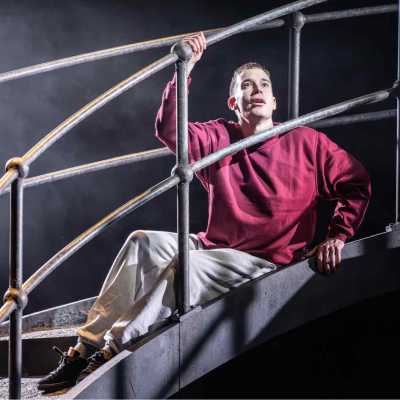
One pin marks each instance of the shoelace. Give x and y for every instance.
(62, 362)
(96, 360)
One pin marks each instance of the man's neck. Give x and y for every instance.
(250, 128)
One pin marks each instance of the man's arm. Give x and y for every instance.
(199, 138)
(342, 178)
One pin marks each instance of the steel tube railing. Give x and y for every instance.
(164, 151)
(72, 247)
(355, 118)
(95, 166)
(397, 182)
(15, 282)
(114, 52)
(170, 182)
(84, 112)
(168, 41)
(295, 27)
(16, 296)
(146, 72)
(286, 126)
(15, 293)
(182, 168)
(352, 13)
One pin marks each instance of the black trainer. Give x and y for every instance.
(66, 373)
(95, 361)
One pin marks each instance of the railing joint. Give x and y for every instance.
(18, 296)
(296, 20)
(18, 164)
(182, 50)
(184, 173)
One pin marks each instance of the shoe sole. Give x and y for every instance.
(54, 387)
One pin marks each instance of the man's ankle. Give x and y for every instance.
(85, 350)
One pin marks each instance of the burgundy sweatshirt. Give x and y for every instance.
(263, 199)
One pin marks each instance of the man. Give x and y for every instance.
(262, 213)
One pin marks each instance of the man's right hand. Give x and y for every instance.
(197, 42)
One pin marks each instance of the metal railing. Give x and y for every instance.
(14, 180)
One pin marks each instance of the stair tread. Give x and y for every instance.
(28, 390)
(46, 333)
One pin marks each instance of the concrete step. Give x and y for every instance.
(28, 390)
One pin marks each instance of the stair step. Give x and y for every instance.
(28, 390)
(37, 354)
(47, 333)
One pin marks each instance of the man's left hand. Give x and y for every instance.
(328, 255)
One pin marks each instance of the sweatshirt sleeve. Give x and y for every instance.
(199, 135)
(341, 178)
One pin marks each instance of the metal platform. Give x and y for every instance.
(175, 355)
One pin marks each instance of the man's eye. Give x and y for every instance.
(245, 85)
(265, 84)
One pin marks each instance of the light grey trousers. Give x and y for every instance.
(139, 288)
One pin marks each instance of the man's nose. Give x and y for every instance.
(256, 88)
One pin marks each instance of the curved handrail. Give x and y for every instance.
(146, 72)
(164, 151)
(169, 40)
(169, 183)
(114, 52)
(94, 167)
(58, 132)
(291, 124)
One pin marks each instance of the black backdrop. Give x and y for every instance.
(340, 60)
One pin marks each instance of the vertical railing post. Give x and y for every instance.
(184, 171)
(15, 291)
(296, 23)
(397, 211)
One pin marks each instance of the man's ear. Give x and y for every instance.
(232, 103)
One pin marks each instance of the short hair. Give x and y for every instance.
(239, 70)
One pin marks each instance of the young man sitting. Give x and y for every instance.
(261, 214)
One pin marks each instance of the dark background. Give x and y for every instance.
(340, 60)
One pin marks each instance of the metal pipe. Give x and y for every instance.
(57, 133)
(182, 163)
(169, 40)
(295, 26)
(164, 151)
(14, 292)
(114, 52)
(260, 19)
(170, 182)
(397, 184)
(355, 118)
(146, 72)
(288, 125)
(95, 166)
(355, 12)
(71, 248)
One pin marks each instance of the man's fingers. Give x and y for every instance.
(193, 44)
(203, 39)
(325, 260)
(338, 256)
(197, 42)
(320, 261)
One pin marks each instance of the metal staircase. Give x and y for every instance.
(180, 350)
(176, 354)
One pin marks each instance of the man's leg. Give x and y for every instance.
(134, 271)
(215, 272)
(212, 273)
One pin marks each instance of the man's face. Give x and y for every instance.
(253, 99)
